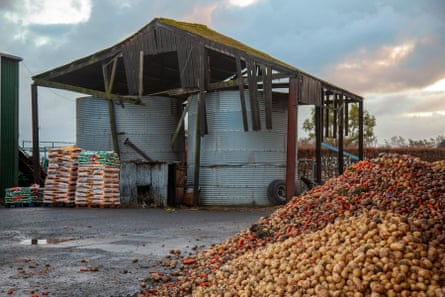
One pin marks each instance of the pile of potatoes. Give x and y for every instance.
(376, 254)
(376, 230)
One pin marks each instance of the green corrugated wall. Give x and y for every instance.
(9, 114)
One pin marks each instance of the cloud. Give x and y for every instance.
(48, 12)
(388, 51)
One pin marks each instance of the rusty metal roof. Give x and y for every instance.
(167, 57)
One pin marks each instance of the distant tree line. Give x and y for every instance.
(399, 141)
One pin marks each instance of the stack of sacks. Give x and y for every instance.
(60, 184)
(98, 183)
(36, 194)
(17, 196)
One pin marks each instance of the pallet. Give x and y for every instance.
(21, 205)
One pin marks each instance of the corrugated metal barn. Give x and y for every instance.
(9, 121)
(242, 106)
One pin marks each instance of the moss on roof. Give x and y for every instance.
(207, 33)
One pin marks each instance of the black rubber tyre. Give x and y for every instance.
(276, 192)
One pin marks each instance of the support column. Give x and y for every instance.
(292, 137)
(341, 160)
(360, 130)
(200, 124)
(35, 135)
(318, 139)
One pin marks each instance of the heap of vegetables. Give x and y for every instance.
(376, 230)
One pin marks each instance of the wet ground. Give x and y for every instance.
(102, 252)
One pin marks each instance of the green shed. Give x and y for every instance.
(9, 119)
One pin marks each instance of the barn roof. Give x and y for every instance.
(177, 58)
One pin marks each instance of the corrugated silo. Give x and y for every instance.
(142, 131)
(236, 166)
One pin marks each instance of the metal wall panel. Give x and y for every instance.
(93, 131)
(150, 127)
(9, 113)
(237, 166)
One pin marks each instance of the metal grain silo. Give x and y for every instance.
(144, 134)
(148, 127)
(9, 115)
(236, 166)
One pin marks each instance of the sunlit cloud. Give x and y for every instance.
(371, 70)
(52, 12)
(438, 86)
(426, 114)
(383, 57)
(393, 55)
(201, 15)
(242, 3)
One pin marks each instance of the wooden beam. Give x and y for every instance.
(326, 121)
(180, 123)
(228, 84)
(176, 92)
(199, 132)
(341, 158)
(335, 117)
(141, 74)
(35, 135)
(252, 78)
(94, 93)
(318, 141)
(292, 137)
(267, 87)
(241, 93)
(360, 130)
(346, 118)
(109, 82)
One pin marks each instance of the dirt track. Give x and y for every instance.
(44, 250)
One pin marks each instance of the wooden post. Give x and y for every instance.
(252, 79)
(141, 74)
(197, 156)
(292, 137)
(267, 88)
(199, 126)
(35, 135)
(318, 139)
(109, 82)
(326, 121)
(347, 117)
(341, 160)
(360, 130)
(335, 117)
(241, 92)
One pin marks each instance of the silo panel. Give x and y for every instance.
(236, 165)
(93, 131)
(149, 127)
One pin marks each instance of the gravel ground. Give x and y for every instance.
(102, 252)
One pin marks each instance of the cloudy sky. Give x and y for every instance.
(392, 52)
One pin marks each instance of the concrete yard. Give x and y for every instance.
(43, 250)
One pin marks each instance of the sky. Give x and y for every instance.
(391, 52)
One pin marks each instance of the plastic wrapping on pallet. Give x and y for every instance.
(60, 184)
(24, 195)
(108, 158)
(98, 179)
